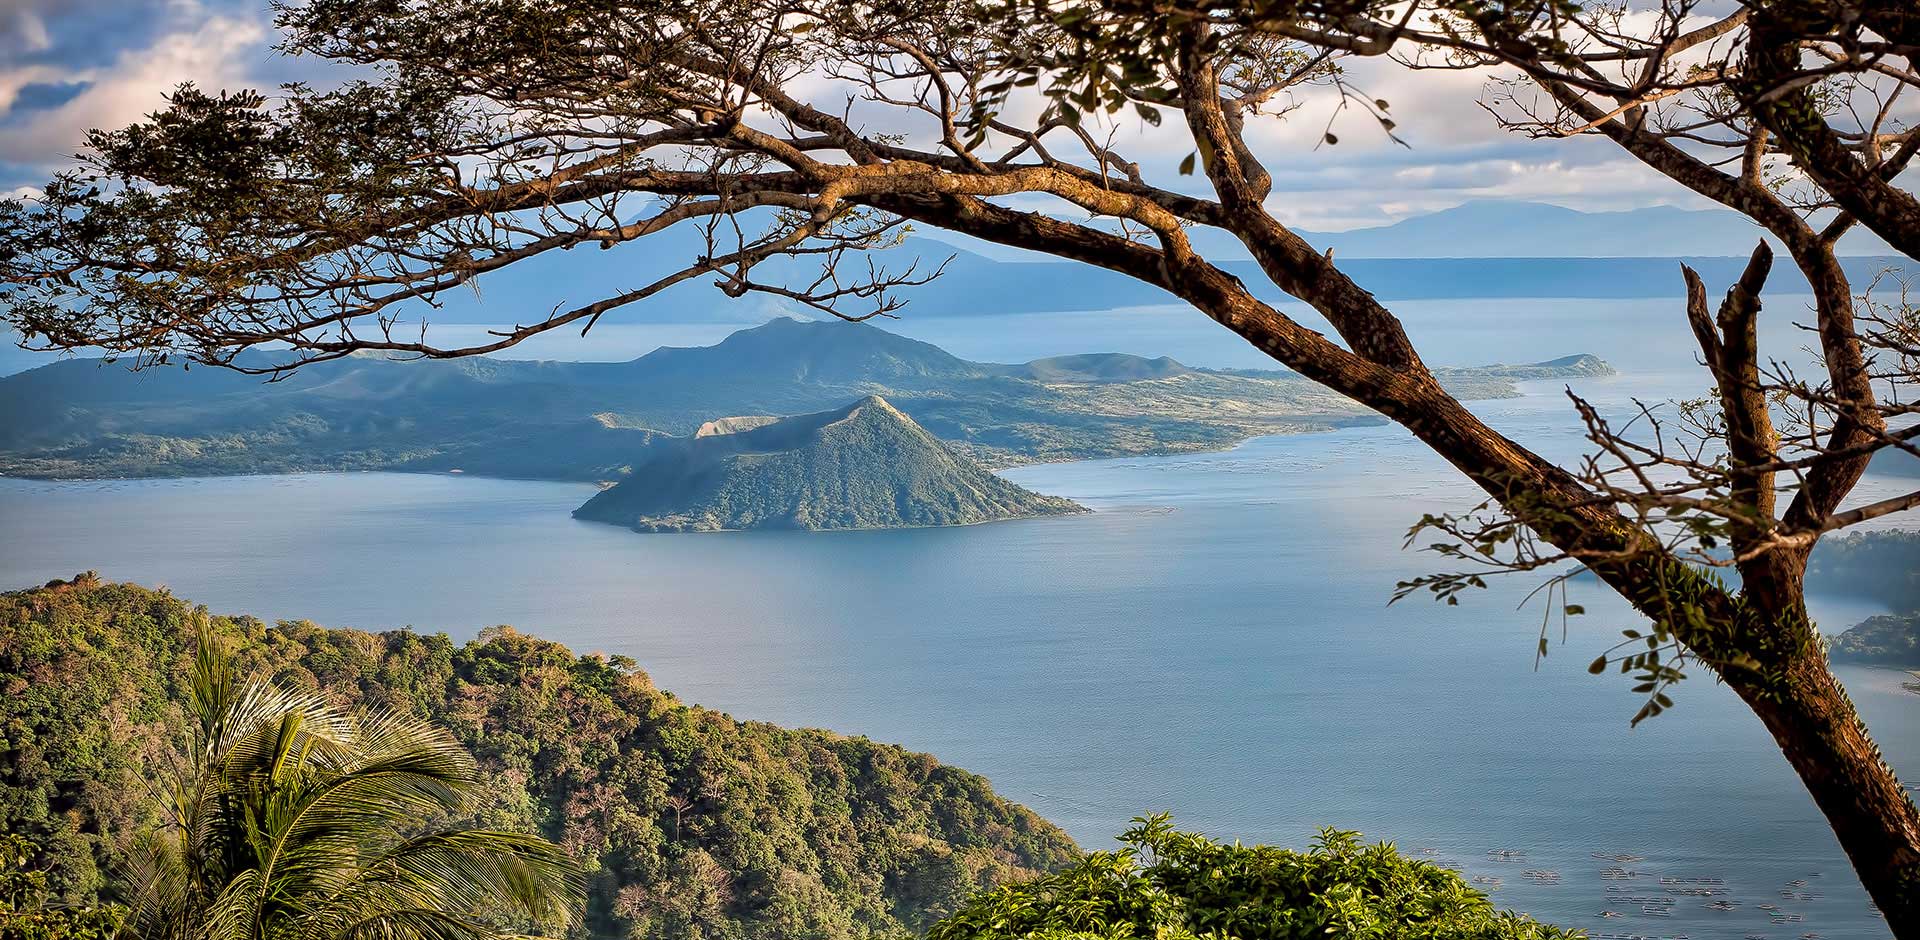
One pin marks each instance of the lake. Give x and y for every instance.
(1214, 641)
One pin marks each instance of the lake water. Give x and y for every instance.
(1214, 641)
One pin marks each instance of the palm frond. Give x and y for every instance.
(234, 913)
(475, 869)
(291, 819)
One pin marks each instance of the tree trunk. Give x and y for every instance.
(1800, 702)
(1810, 717)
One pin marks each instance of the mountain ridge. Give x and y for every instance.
(1503, 229)
(590, 421)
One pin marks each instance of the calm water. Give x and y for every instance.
(1215, 641)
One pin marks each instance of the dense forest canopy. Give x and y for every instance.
(695, 825)
(691, 824)
(1885, 640)
(1878, 566)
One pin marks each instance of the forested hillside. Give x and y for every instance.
(1886, 640)
(1878, 566)
(694, 824)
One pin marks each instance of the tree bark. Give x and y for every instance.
(1792, 691)
(1814, 723)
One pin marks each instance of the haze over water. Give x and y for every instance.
(1215, 641)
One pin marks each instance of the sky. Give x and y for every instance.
(67, 66)
(70, 65)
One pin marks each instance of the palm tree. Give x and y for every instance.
(290, 819)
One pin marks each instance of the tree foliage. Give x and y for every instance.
(692, 824)
(1170, 885)
(25, 913)
(290, 818)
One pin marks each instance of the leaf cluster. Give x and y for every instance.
(1172, 885)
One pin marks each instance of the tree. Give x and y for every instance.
(487, 132)
(1788, 112)
(1182, 886)
(25, 913)
(291, 819)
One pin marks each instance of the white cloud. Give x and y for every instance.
(218, 52)
(1458, 152)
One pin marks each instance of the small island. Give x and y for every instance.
(864, 466)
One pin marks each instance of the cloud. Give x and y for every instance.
(217, 52)
(115, 58)
(84, 33)
(1454, 151)
(22, 29)
(13, 80)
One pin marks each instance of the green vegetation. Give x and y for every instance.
(291, 818)
(25, 913)
(1880, 566)
(861, 467)
(1886, 640)
(691, 824)
(594, 420)
(1170, 885)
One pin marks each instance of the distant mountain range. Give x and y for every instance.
(1516, 229)
(1489, 249)
(1510, 228)
(596, 421)
(1481, 249)
(865, 466)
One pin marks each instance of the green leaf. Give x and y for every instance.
(1186, 166)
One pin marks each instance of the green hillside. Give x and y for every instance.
(1879, 566)
(865, 466)
(595, 420)
(694, 824)
(1885, 640)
